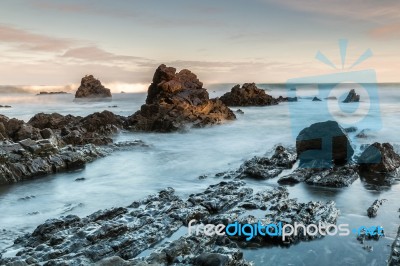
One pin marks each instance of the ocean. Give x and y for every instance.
(177, 160)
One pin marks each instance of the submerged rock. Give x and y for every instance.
(92, 88)
(247, 95)
(352, 97)
(176, 100)
(323, 143)
(119, 235)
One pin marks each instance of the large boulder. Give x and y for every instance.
(92, 88)
(324, 143)
(175, 100)
(352, 97)
(379, 158)
(247, 95)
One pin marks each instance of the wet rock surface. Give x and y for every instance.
(394, 258)
(352, 97)
(247, 95)
(119, 235)
(266, 168)
(286, 99)
(337, 176)
(177, 100)
(323, 144)
(372, 211)
(92, 88)
(30, 159)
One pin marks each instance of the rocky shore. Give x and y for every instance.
(120, 234)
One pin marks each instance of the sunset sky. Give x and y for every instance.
(57, 42)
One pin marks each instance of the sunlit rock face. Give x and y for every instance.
(177, 100)
(92, 88)
(247, 95)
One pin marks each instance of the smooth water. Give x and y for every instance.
(178, 159)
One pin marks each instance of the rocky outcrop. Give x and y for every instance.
(95, 128)
(176, 100)
(379, 158)
(352, 97)
(316, 99)
(247, 95)
(321, 144)
(120, 234)
(92, 88)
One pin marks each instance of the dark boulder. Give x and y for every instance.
(323, 143)
(316, 99)
(352, 97)
(176, 100)
(92, 88)
(247, 95)
(379, 158)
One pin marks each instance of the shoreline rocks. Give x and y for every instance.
(247, 95)
(122, 233)
(178, 100)
(92, 88)
(372, 211)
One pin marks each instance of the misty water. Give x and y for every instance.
(178, 159)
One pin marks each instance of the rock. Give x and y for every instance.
(247, 95)
(119, 235)
(394, 258)
(239, 111)
(316, 99)
(331, 98)
(266, 168)
(175, 101)
(352, 97)
(92, 88)
(379, 158)
(373, 209)
(338, 176)
(51, 93)
(350, 129)
(323, 143)
(363, 134)
(5, 106)
(287, 99)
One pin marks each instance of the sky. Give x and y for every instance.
(44, 42)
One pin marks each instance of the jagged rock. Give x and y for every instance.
(352, 97)
(176, 100)
(247, 95)
(323, 143)
(338, 176)
(372, 211)
(92, 88)
(379, 158)
(350, 129)
(120, 234)
(266, 168)
(316, 99)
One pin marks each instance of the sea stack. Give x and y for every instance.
(91, 88)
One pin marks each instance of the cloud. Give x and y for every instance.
(98, 54)
(32, 41)
(388, 31)
(356, 9)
